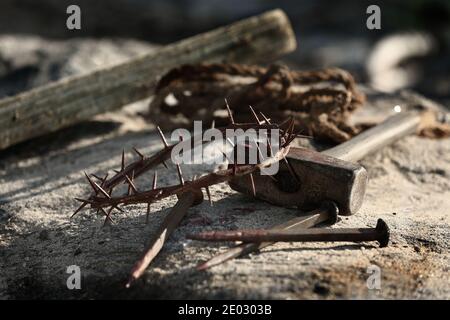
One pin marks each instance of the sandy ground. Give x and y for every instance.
(409, 188)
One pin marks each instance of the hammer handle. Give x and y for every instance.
(377, 137)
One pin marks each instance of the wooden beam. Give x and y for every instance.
(63, 103)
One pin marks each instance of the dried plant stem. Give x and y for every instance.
(202, 182)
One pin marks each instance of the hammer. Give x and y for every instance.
(339, 186)
(308, 178)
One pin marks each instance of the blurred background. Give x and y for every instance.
(410, 51)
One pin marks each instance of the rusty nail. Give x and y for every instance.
(380, 233)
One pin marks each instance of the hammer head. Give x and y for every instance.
(318, 178)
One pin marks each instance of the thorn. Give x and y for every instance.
(106, 194)
(104, 181)
(165, 164)
(231, 142)
(286, 135)
(180, 174)
(213, 124)
(303, 136)
(155, 178)
(123, 160)
(79, 208)
(230, 114)
(139, 153)
(117, 171)
(267, 120)
(284, 122)
(118, 208)
(291, 136)
(292, 128)
(259, 151)
(292, 125)
(148, 213)
(291, 170)
(91, 182)
(163, 138)
(270, 147)
(131, 184)
(253, 184)
(108, 215)
(255, 115)
(208, 193)
(226, 157)
(84, 200)
(286, 132)
(97, 177)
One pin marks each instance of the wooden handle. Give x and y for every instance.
(377, 137)
(71, 100)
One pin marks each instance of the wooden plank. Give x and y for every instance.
(60, 104)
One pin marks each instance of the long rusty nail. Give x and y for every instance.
(172, 220)
(328, 212)
(380, 234)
